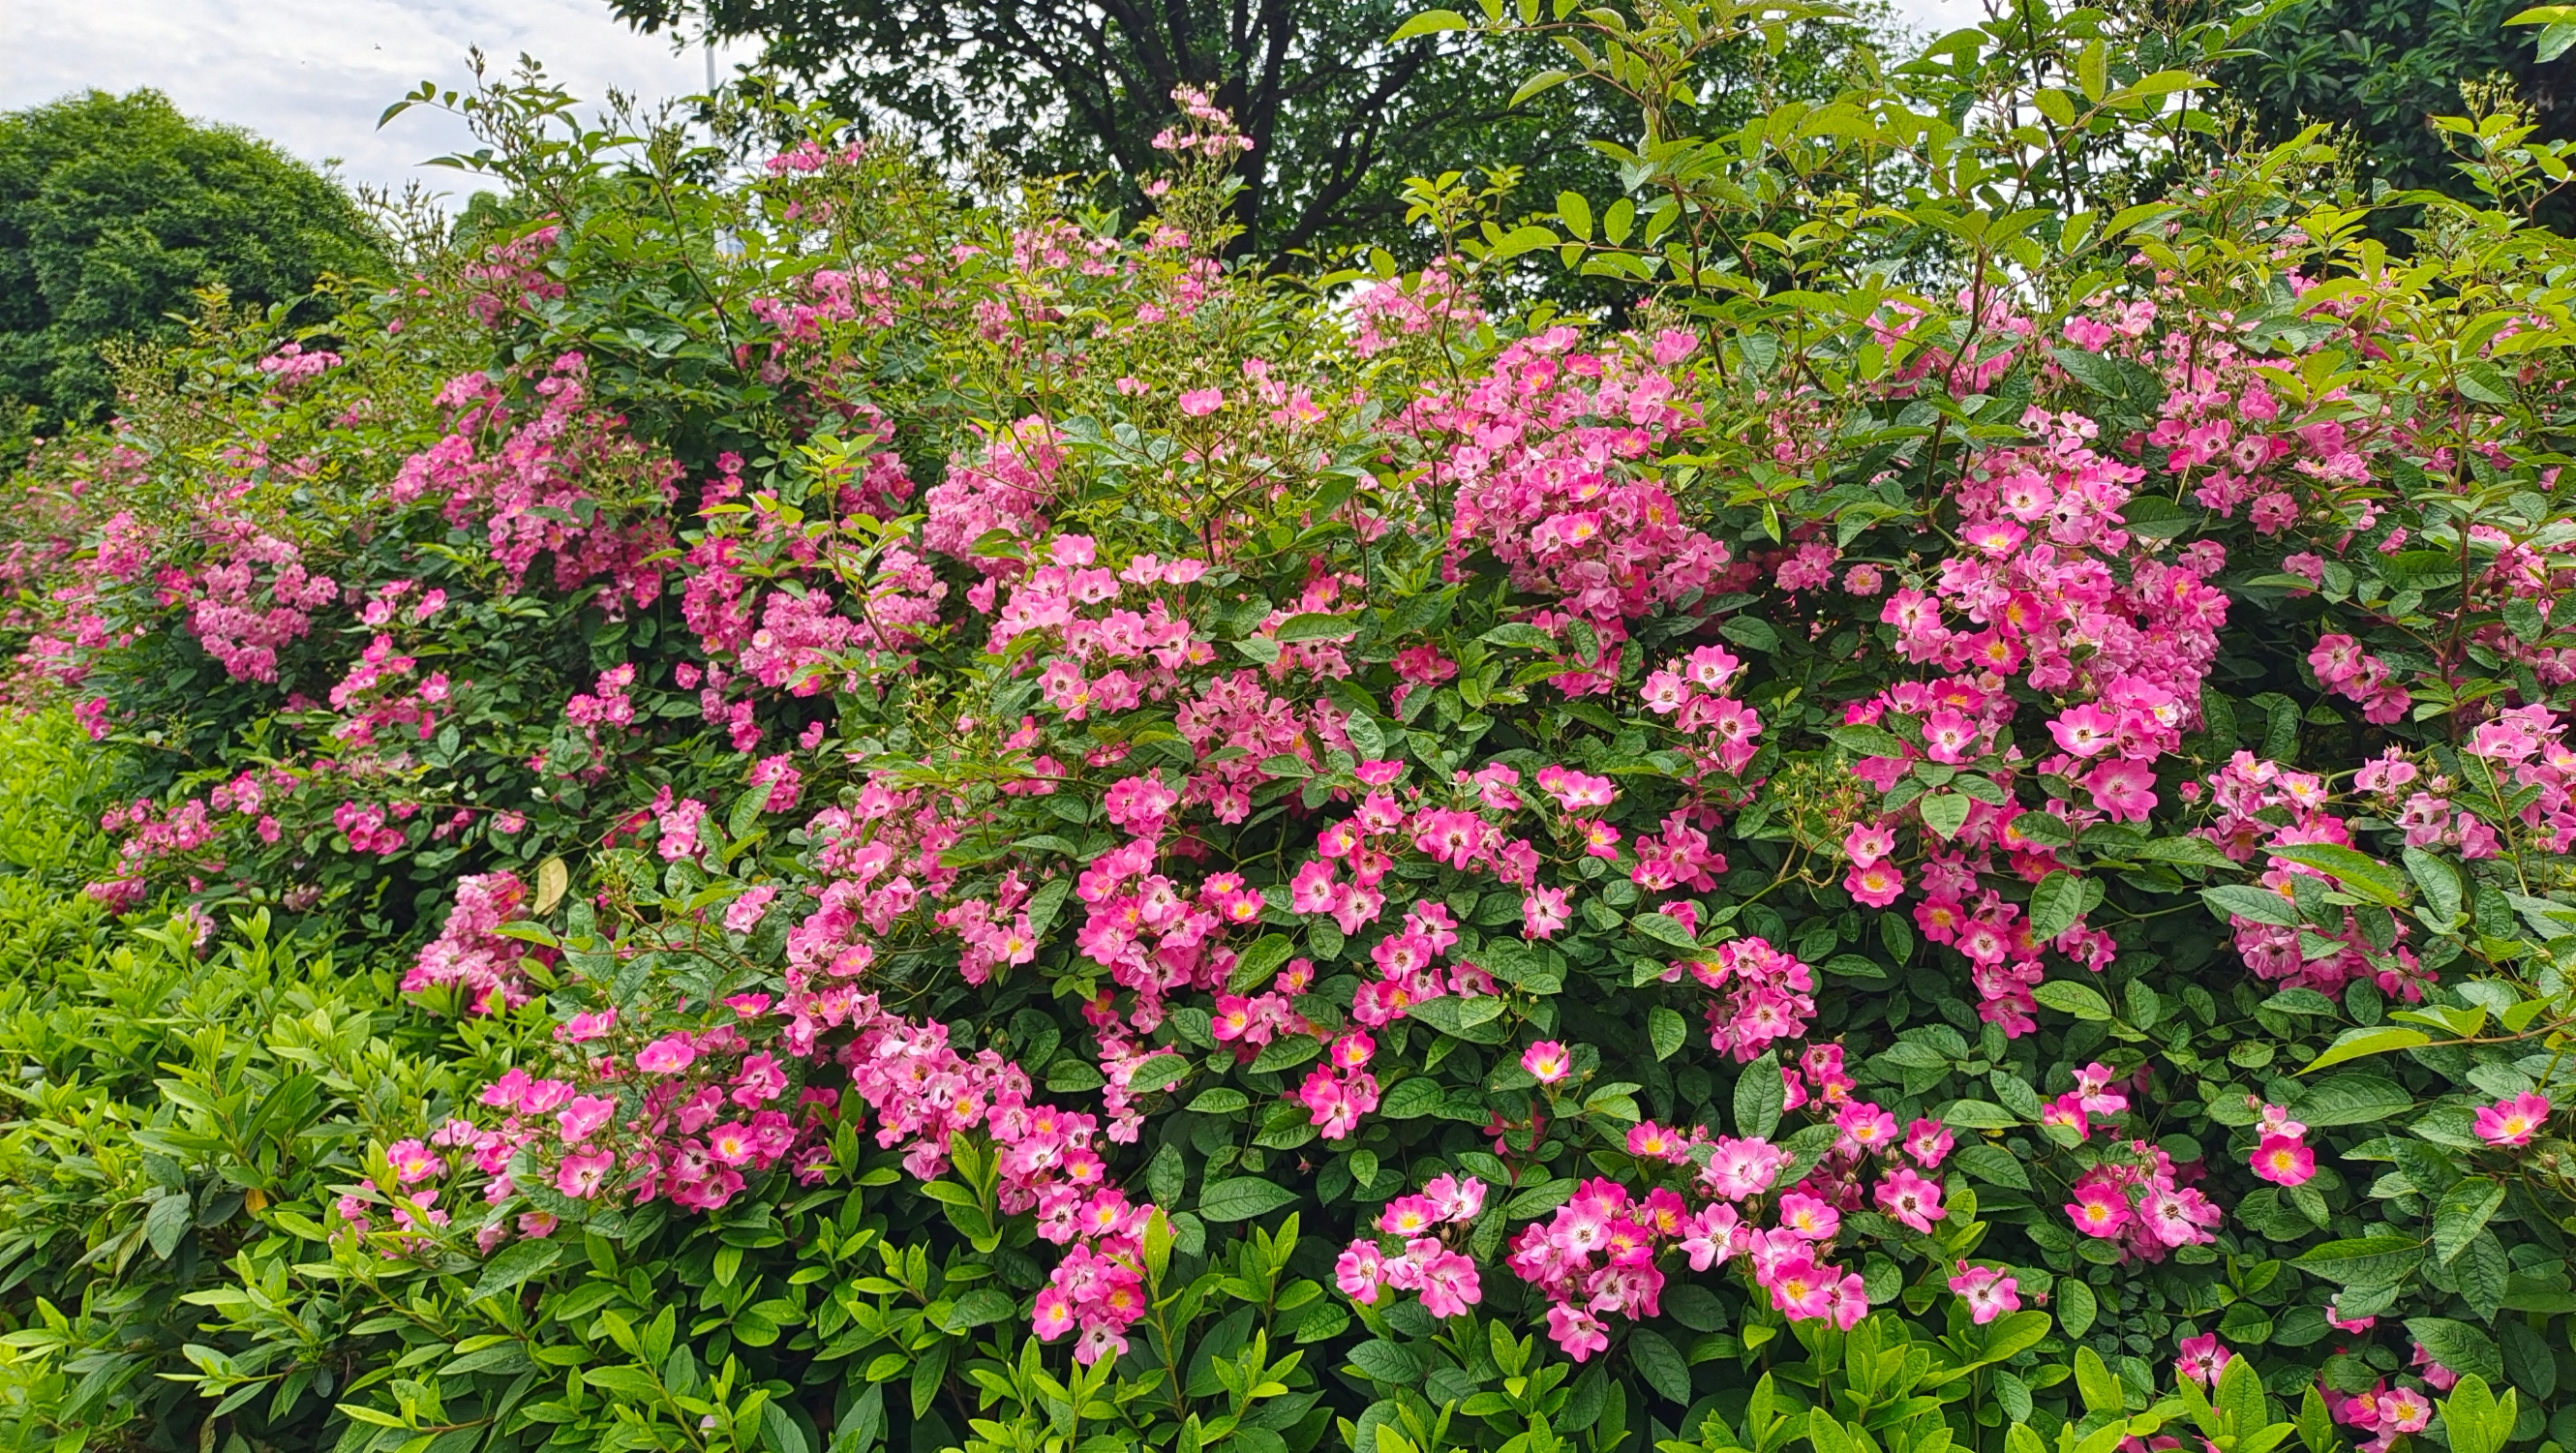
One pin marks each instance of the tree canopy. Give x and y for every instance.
(1338, 115)
(113, 209)
(2383, 69)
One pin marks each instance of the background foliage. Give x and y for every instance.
(115, 210)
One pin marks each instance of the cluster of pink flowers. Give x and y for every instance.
(1003, 489)
(1764, 994)
(224, 599)
(374, 696)
(2387, 1413)
(1724, 732)
(1425, 1262)
(291, 366)
(1434, 303)
(2256, 805)
(1550, 474)
(2348, 671)
(561, 482)
(471, 954)
(2533, 743)
(924, 1093)
(1339, 1090)
(879, 858)
(513, 275)
(150, 837)
(1205, 128)
(2134, 1194)
(369, 826)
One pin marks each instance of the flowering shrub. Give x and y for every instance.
(1977, 862)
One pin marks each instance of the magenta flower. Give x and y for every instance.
(2514, 1121)
(1876, 885)
(2284, 1161)
(583, 1116)
(2099, 1209)
(581, 1176)
(1928, 1142)
(2203, 1359)
(668, 1055)
(1578, 1332)
(1911, 1198)
(1547, 1061)
(1543, 912)
(1450, 1285)
(1360, 1271)
(1989, 1292)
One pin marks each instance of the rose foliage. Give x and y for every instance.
(1955, 830)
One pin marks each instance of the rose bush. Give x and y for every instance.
(1954, 830)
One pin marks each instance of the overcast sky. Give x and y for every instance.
(313, 75)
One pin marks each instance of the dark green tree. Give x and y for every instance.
(113, 209)
(1338, 114)
(2382, 69)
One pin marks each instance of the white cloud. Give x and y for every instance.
(313, 75)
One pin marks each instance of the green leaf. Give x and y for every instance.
(2260, 905)
(1243, 1197)
(2439, 882)
(1430, 22)
(1315, 626)
(1158, 1072)
(2355, 1043)
(516, 1263)
(1751, 632)
(1979, 1115)
(1666, 1030)
(2528, 1360)
(1760, 1096)
(1666, 929)
(1538, 1200)
(2367, 1261)
(1994, 1165)
(2008, 1335)
(2484, 382)
(2471, 1416)
(2364, 875)
(2458, 1346)
(1538, 84)
(2316, 1425)
(1868, 741)
(1259, 961)
(2068, 997)
(1519, 633)
(2100, 1390)
(2191, 851)
(167, 1222)
(1944, 812)
(2461, 1213)
(2354, 1099)
(1826, 1435)
(1221, 1100)
(1413, 1098)
(2076, 1309)
(1388, 1362)
(1661, 1365)
(2240, 1397)
(2055, 905)
(980, 1307)
(1575, 213)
